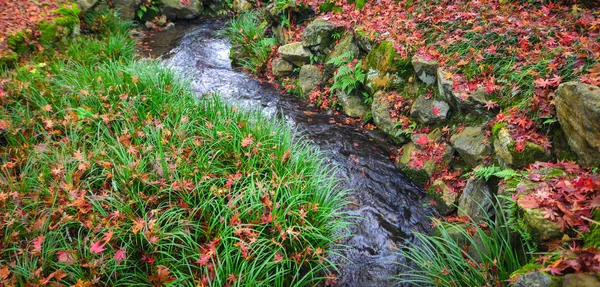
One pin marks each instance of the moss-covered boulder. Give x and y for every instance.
(241, 5)
(295, 53)
(578, 111)
(456, 232)
(444, 197)
(581, 280)
(536, 279)
(506, 154)
(309, 79)
(318, 36)
(385, 68)
(352, 104)
(543, 229)
(472, 145)
(176, 9)
(419, 175)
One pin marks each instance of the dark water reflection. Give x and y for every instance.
(387, 205)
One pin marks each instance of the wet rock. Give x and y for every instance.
(534, 279)
(352, 104)
(429, 111)
(295, 53)
(241, 5)
(86, 5)
(383, 120)
(578, 111)
(175, 9)
(508, 157)
(543, 229)
(309, 79)
(476, 201)
(347, 44)
(472, 145)
(425, 69)
(580, 280)
(419, 175)
(318, 35)
(445, 198)
(281, 68)
(127, 8)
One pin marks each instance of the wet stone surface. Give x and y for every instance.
(385, 207)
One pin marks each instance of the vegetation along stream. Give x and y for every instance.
(385, 206)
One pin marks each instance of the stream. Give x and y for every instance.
(385, 207)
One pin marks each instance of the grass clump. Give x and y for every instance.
(113, 174)
(465, 253)
(251, 47)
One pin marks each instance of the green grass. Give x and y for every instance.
(99, 148)
(442, 259)
(251, 47)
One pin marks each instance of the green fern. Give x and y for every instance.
(346, 79)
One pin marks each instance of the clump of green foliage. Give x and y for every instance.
(442, 260)
(348, 77)
(117, 175)
(250, 45)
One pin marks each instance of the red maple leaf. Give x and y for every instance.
(97, 248)
(120, 255)
(247, 141)
(422, 140)
(435, 110)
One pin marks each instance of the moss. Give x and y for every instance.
(526, 269)
(8, 60)
(48, 33)
(592, 239)
(384, 59)
(327, 7)
(418, 176)
(496, 129)
(530, 154)
(19, 42)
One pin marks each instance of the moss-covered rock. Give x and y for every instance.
(384, 67)
(543, 229)
(175, 9)
(309, 79)
(383, 120)
(472, 145)
(353, 105)
(19, 42)
(295, 53)
(508, 157)
(420, 176)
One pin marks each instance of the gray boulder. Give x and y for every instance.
(309, 79)
(318, 35)
(473, 104)
(364, 43)
(281, 68)
(352, 104)
(534, 279)
(381, 117)
(429, 112)
(127, 8)
(578, 111)
(471, 144)
(445, 198)
(295, 53)
(476, 201)
(174, 9)
(425, 69)
(86, 5)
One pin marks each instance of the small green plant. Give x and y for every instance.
(465, 253)
(251, 46)
(336, 35)
(406, 132)
(348, 76)
(148, 7)
(486, 172)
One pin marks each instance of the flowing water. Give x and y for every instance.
(386, 206)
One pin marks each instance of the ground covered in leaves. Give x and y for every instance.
(113, 174)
